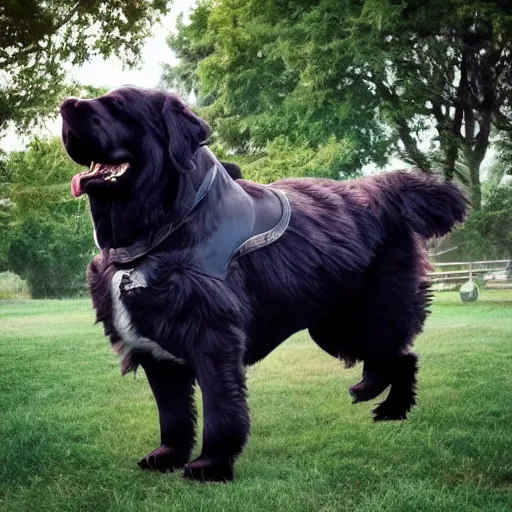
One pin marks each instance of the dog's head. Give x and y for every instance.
(129, 136)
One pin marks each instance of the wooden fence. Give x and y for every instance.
(494, 273)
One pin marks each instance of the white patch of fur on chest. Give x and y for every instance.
(132, 340)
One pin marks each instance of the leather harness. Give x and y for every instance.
(244, 224)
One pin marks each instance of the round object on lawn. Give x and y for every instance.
(469, 291)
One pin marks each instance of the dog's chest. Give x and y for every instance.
(124, 283)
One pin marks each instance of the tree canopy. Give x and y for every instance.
(246, 62)
(377, 74)
(40, 39)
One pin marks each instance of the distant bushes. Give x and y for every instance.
(52, 259)
(13, 287)
(46, 234)
(487, 234)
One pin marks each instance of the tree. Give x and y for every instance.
(503, 166)
(447, 66)
(39, 38)
(238, 57)
(49, 233)
(191, 48)
(488, 232)
(309, 70)
(51, 257)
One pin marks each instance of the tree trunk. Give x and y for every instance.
(411, 148)
(475, 189)
(450, 150)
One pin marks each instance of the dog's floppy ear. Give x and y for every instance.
(185, 131)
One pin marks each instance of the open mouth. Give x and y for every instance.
(107, 173)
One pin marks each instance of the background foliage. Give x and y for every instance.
(322, 88)
(48, 238)
(45, 236)
(376, 75)
(305, 88)
(41, 39)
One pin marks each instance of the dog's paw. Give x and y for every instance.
(368, 389)
(363, 391)
(208, 470)
(163, 459)
(389, 412)
(359, 393)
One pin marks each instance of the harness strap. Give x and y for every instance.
(263, 239)
(242, 217)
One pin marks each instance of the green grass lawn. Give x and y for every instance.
(72, 429)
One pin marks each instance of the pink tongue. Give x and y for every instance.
(76, 190)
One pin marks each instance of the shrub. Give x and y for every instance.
(13, 287)
(51, 258)
(487, 234)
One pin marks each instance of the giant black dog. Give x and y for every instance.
(183, 292)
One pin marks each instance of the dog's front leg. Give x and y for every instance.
(221, 377)
(173, 388)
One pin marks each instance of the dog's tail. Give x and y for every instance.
(430, 205)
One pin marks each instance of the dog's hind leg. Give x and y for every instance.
(392, 369)
(376, 378)
(344, 345)
(380, 324)
(394, 312)
(172, 385)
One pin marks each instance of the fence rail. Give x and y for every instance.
(473, 263)
(494, 273)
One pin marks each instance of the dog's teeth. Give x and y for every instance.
(91, 166)
(121, 169)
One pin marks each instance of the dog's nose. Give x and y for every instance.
(69, 104)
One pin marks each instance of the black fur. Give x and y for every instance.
(351, 268)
